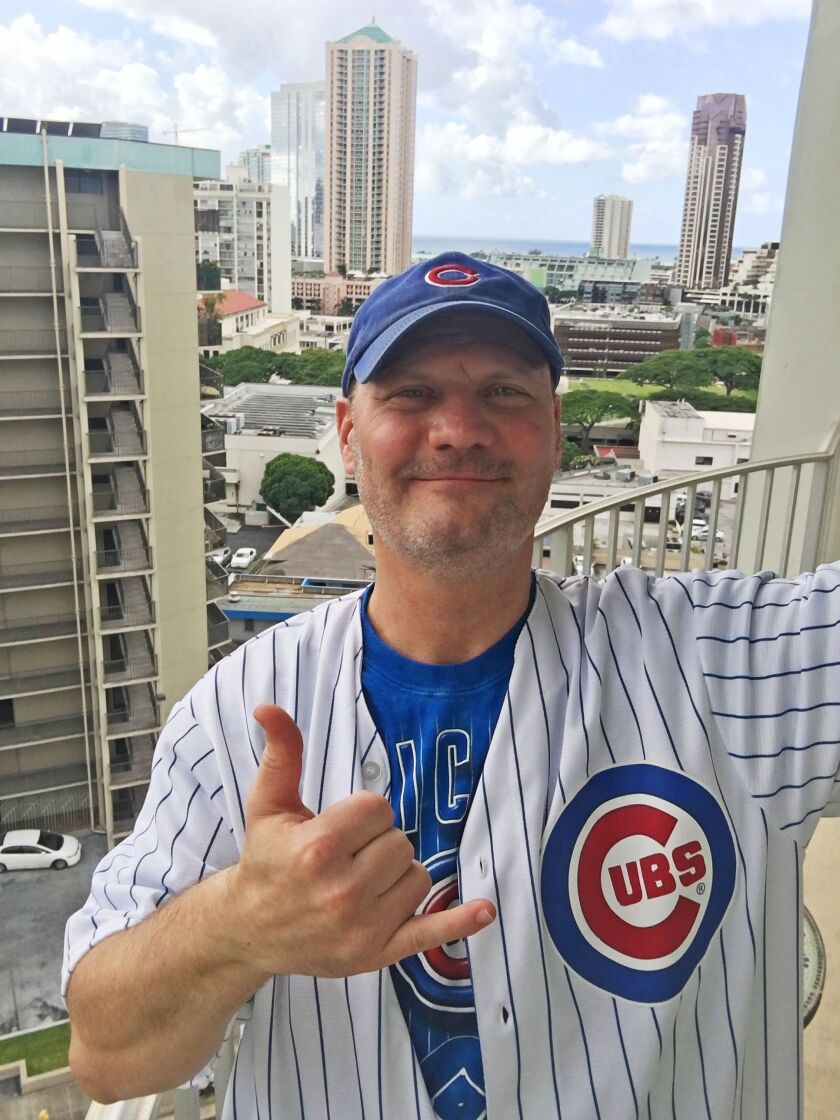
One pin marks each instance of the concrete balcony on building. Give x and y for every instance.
(212, 436)
(215, 533)
(119, 377)
(124, 495)
(217, 627)
(130, 557)
(131, 710)
(36, 519)
(216, 581)
(41, 731)
(28, 215)
(39, 574)
(113, 313)
(30, 280)
(212, 384)
(214, 486)
(133, 609)
(32, 682)
(32, 343)
(37, 462)
(131, 760)
(123, 438)
(34, 404)
(40, 628)
(136, 662)
(110, 250)
(42, 781)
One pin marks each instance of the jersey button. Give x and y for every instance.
(371, 771)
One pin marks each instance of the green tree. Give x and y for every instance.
(584, 408)
(346, 307)
(292, 484)
(673, 369)
(246, 364)
(701, 339)
(706, 401)
(735, 367)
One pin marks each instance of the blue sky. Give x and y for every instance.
(525, 110)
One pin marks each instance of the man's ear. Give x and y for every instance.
(344, 424)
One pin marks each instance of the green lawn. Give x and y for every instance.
(631, 389)
(41, 1050)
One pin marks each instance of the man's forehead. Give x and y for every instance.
(463, 349)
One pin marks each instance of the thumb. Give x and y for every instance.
(275, 788)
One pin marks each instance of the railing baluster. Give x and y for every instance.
(790, 513)
(714, 509)
(662, 535)
(638, 530)
(612, 541)
(763, 519)
(738, 524)
(588, 532)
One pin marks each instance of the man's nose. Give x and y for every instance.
(459, 422)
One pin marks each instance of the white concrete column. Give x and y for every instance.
(280, 302)
(799, 397)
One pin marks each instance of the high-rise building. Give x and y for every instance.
(371, 102)
(612, 217)
(297, 162)
(240, 232)
(711, 190)
(107, 606)
(257, 163)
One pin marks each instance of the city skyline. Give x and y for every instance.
(524, 115)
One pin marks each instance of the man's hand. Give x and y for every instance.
(333, 894)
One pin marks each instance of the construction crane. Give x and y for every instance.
(176, 131)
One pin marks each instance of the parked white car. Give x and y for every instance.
(27, 848)
(221, 555)
(242, 558)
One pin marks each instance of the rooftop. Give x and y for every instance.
(234, 303)
(371, 31)
(80, 145)
(305, 411)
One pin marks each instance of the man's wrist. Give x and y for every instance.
(227, 930)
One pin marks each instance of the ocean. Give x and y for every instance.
(432, 245)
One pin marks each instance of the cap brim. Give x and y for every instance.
(374, 357)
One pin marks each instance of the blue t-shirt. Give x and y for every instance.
(436, 722)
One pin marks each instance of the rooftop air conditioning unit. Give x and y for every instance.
(625, 475)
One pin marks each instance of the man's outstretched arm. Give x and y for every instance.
(327, 895)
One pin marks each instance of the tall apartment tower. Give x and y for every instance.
(612, 217)
(371, 105)
(257, 163)
(711, 190)
(106, 600)
(297, 162)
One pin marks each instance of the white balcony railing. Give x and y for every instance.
(779, 519)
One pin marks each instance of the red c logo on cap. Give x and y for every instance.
(442, 275)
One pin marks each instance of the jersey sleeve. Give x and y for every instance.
(181, 836)
(770, 654)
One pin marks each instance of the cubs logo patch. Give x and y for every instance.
(637, 874)
(452, 275)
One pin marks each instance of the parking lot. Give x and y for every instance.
(34, 907)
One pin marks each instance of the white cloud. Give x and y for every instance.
(453, 161)
(752, 178)
(656, 139)
(662, 19)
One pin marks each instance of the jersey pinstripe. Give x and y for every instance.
(729, 685)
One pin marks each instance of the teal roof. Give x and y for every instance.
(372, 31)
(22, 149)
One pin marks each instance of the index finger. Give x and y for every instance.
(358, 819)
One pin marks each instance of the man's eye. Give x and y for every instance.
(410, 393)
(507, 391)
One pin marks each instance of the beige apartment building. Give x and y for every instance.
(612, 219)
(369, 160)
(107, 607)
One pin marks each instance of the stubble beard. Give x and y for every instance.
(455, 550)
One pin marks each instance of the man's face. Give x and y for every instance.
(453, 449)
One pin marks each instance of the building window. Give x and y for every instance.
(703, 461)
(83, 182)
(248, 625)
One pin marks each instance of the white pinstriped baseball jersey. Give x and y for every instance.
(663, 755)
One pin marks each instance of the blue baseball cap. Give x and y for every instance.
(446, 283)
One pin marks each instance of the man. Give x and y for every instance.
(478, 841)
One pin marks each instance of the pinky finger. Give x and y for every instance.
(429, 931)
